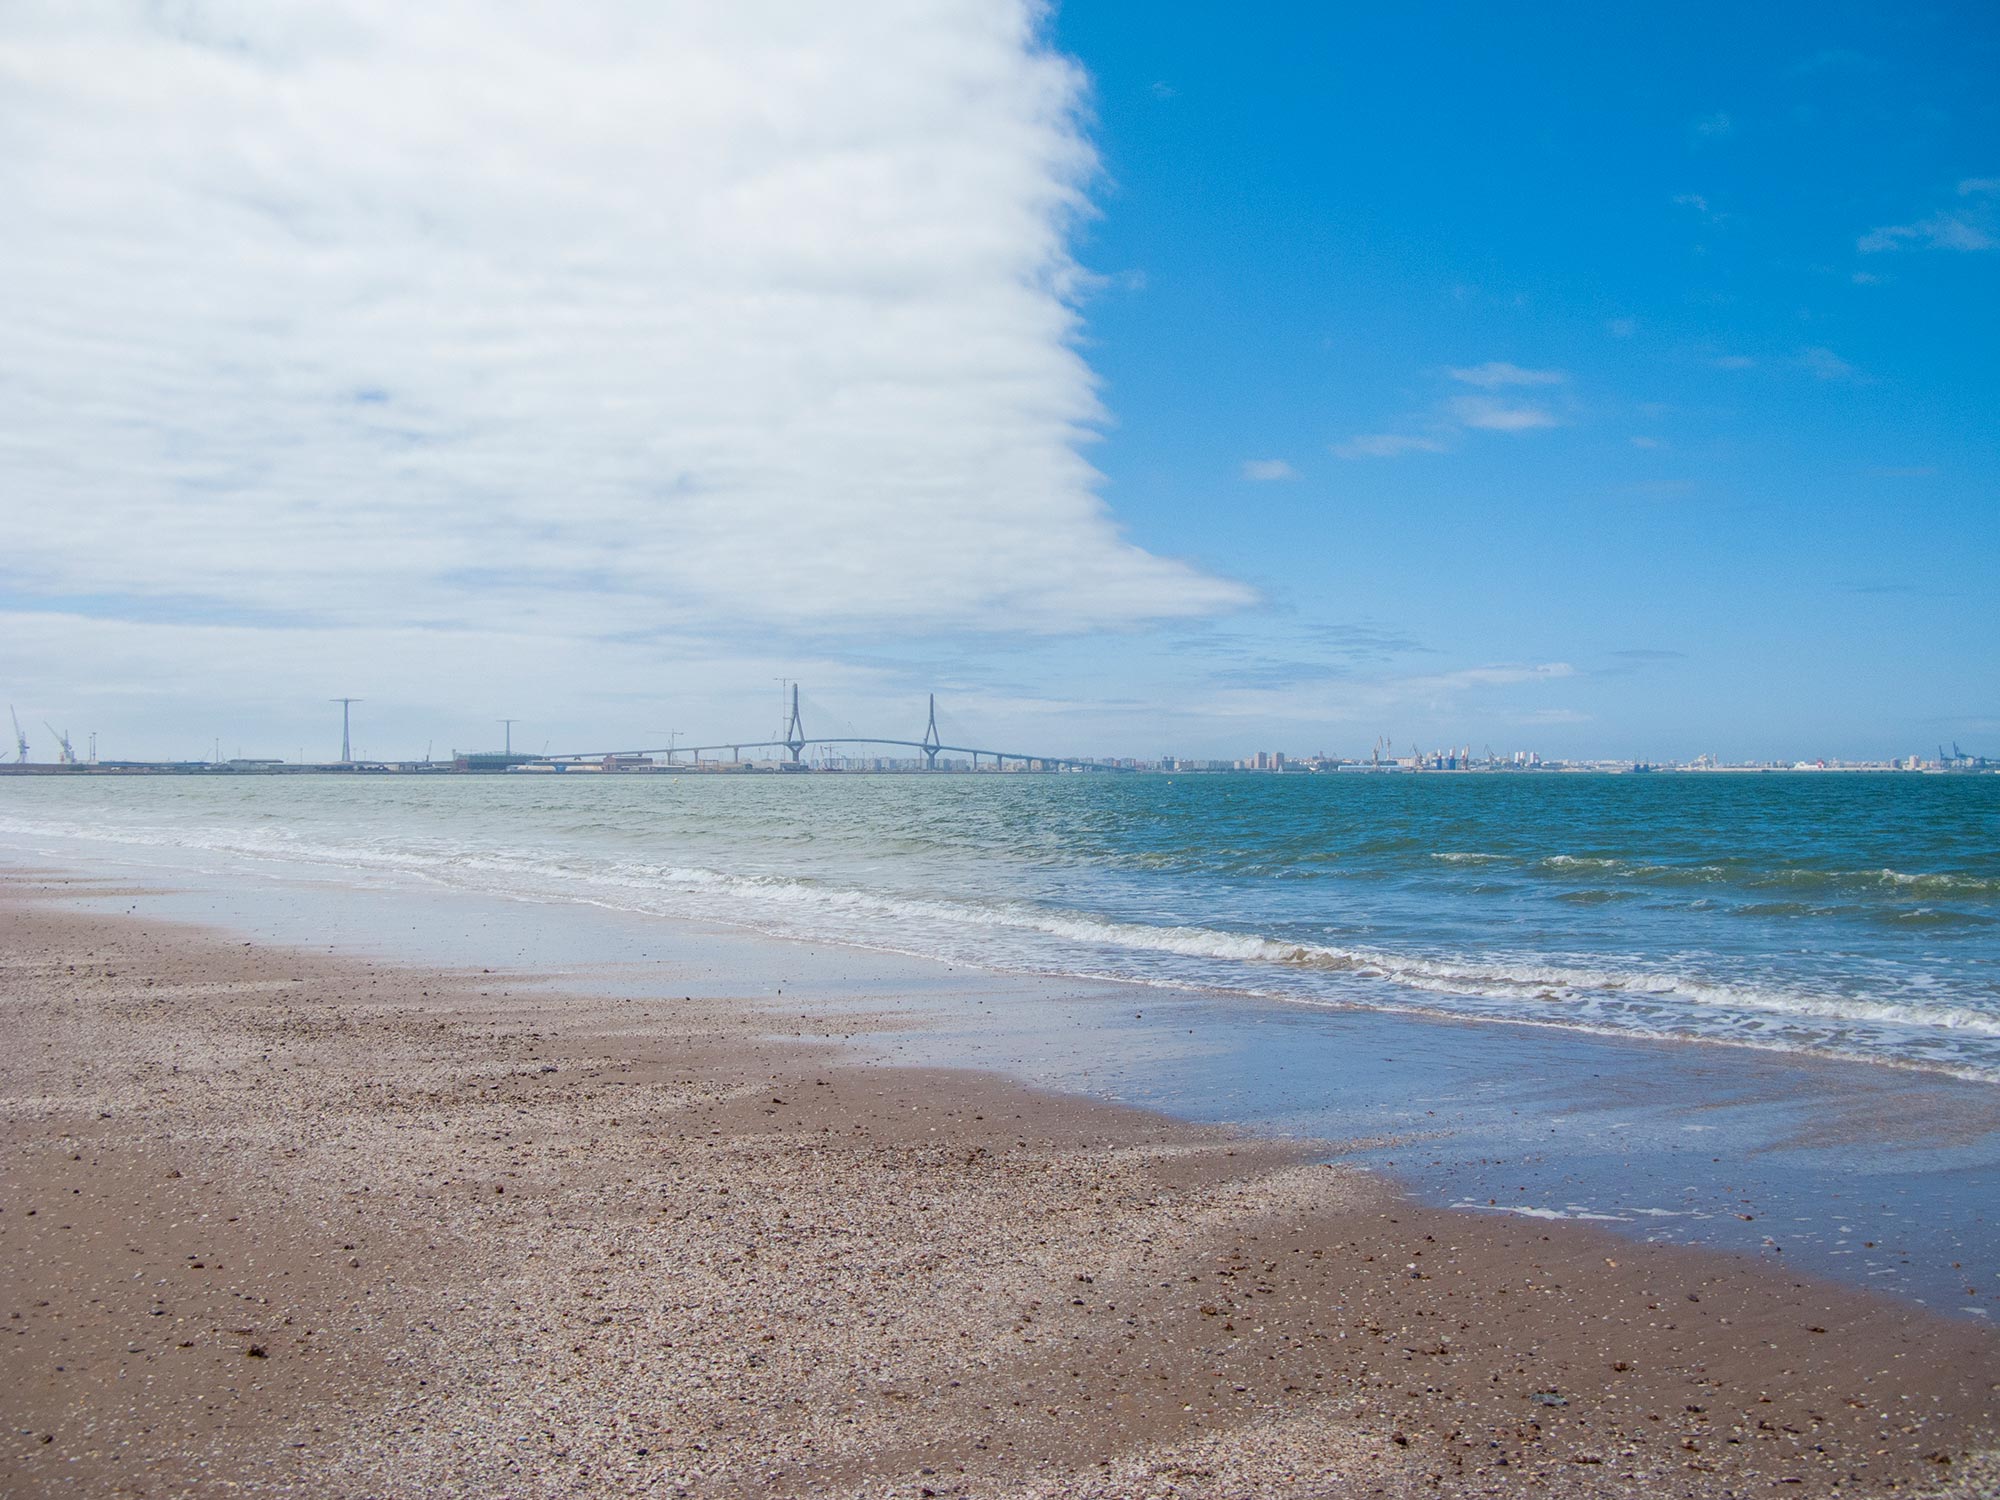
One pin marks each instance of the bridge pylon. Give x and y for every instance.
(932, 741)
(795, 734)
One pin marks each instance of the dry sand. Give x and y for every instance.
(278, 1223)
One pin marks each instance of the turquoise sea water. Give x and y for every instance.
(1856, 916)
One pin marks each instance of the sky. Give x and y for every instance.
(1139, 378)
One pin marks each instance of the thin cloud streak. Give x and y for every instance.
(1823, 364)
(1496, 373)
(1967, 229)
(1388, 445)
(1438, 431)
(1266, 470)
(1488, 415)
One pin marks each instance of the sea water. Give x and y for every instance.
(1847, 915)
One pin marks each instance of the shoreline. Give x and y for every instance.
(1879, 1178)
(1788, 1115)
(588, 1244)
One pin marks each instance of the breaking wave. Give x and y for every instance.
(1653, 999)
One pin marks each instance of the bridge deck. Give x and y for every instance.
(738, 746)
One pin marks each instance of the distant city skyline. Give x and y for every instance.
(1143, 380)
(839, 743)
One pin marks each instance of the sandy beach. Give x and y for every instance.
(283, 1223)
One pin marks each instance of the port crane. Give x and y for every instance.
(66, 756)
(20, 739)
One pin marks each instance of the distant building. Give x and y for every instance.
(488, 760)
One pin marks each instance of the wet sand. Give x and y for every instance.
(275, 1222)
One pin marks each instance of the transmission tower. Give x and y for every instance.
(346, 745)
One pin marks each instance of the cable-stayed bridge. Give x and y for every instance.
(794, 742)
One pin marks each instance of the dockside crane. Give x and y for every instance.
(20, 739)
(66, 756)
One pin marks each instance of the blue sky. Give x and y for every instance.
(1143, 378)
(1777, 450)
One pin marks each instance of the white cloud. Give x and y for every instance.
(1268, 469)
(1490, 415)
(1440, 428)
(1622, 328)
(1647, 442)
(1970, 228)
(1714, 126)
(614, 316)
(1388, 445)
(1938, 232)
(1734, 362)
(1496, 373)
(1824, 364)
